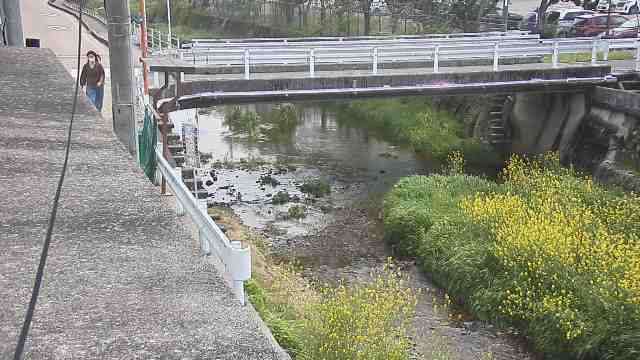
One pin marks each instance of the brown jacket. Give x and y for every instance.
(91, 77)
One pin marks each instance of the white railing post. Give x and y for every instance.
(205, 246)
(179, 208)
(594, 52)
(496, 56)
(375, 61)
(637, 54)
(436, 59)
(556, 53)
(246, 64)
(605, 56)
(312, 61)
(238, 285)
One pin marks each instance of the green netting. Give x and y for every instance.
(147, 142)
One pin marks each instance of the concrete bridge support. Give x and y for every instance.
(543, 122)
(597, 130)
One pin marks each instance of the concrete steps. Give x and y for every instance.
(497, 128)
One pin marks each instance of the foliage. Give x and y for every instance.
(281, 197)
(297, 212)
(242, 121)
(547, 250)
(417, 122)
(316, 187)
(368, 321)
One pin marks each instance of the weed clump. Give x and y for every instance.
(281, 197)
(316, 187)
(268, 180)
(297, 212)
(546, 250)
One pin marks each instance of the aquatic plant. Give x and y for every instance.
(316, 187)
(281, 197)
(297, 212)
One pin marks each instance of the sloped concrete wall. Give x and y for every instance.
(543, 122)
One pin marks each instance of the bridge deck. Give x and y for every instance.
(123, 278)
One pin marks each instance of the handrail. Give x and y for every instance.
(236, 260)
(348, 38)
(399, 51)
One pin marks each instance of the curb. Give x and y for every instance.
(53, 4)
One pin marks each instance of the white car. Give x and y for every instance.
(566, 18)
(622, 6)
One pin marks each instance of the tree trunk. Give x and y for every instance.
(544, 4)
(366, 9)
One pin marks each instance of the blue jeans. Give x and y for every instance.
(96, 95)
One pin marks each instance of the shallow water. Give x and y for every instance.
(341, 238)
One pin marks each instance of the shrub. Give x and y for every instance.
(281, 197)
(367, 321)
(547, 250)
(242, 121)
(296, 212)
(418, 123)
(316, 187)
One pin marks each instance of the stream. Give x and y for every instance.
(341, 237)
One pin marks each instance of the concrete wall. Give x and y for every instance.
(543, 122)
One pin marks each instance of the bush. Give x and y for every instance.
(316, 187)
(367, 321)
(296, 212)
(418, 123)
(547, 250)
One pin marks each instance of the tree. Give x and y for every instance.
(542, 9)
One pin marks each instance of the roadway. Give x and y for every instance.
(522, 7)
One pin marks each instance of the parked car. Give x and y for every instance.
(593, 25)
(629, 29)
(566, 18)
(621, 6)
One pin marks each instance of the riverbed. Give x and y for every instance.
(341, 236)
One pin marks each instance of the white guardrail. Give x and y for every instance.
(298, 40)
(433, 51)
(236, 259)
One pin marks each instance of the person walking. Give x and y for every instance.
(92, 77)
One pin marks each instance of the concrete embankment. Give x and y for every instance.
(124, 278)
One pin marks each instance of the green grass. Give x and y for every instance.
(416, 122)
(598, 318)
(586, 57)
(316, 187)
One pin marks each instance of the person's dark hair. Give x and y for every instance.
(91, 52)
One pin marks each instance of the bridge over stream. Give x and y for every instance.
(215, 72)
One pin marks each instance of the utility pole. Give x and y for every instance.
(505, 14)
(608, 18)
(13, 19)
(120, 58)
(143, 46)
(169, 21)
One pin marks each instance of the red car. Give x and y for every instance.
(629, 29)
(592, 25)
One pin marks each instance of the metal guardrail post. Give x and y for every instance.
(236, 259)
(246, 64)
(205, 246)
(179, 208)
(312, 60)
(605, 56)
(375, 61)
(594, 52)
(637, 55)
(556, 53)
(238, 285)
(436, 55)
(496, 56)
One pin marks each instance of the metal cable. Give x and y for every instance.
(52, 218)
